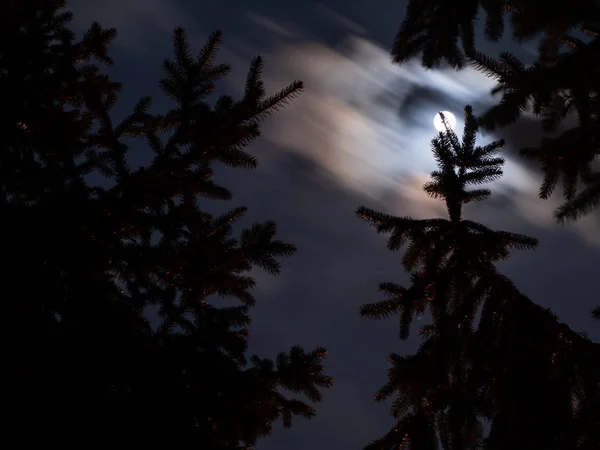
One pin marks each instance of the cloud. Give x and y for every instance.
(281, 29)
(341, 121)
(340, 19)
(368, 123)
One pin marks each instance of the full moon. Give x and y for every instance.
(439, 125)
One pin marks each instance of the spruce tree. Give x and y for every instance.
(84, 263)
(562, 82)
(490, 355)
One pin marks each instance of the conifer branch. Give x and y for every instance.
(585, 201)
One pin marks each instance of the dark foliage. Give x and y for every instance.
(490, 355)
(84, 263)
(439, 31)
(555, 92)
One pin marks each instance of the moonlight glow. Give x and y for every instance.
(439, 125)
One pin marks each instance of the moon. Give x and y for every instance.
(439, 125)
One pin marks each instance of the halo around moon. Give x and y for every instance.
(439, 124)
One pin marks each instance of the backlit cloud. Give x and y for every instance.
(359, 121)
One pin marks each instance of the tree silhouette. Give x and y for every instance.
(85, 262)
(562, 82)
(490, 355)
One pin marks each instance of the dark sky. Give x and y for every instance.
(359, 134)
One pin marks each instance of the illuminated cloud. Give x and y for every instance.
(341, 122)
(350, 123)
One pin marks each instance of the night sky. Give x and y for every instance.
(359, 134)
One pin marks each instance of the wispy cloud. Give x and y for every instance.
(346, 123)
(280, 29)
(340, 19)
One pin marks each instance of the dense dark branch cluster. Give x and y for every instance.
(87, 263)
(490, 355)
(568, 87)
(440, 31)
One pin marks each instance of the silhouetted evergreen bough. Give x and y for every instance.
(554, 93)
(438, 31)
(564, 81)
(84, 263)
(490, 355)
